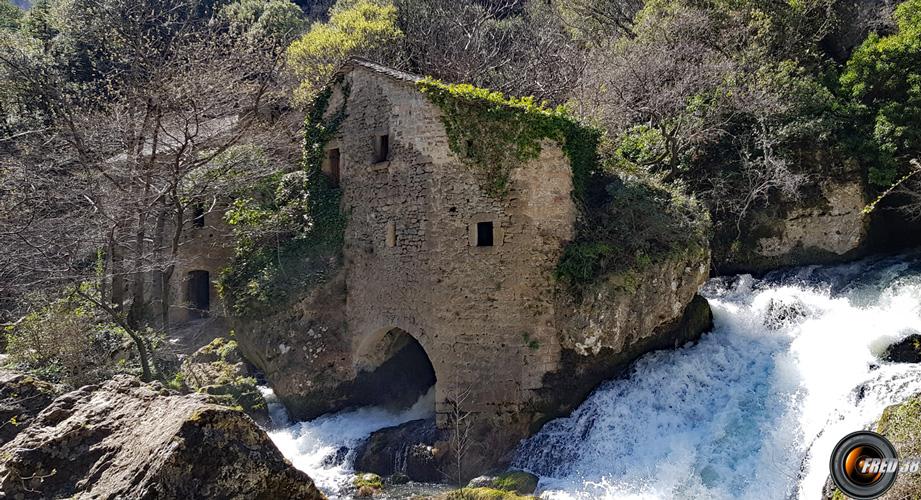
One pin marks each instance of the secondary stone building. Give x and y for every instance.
(444, 284)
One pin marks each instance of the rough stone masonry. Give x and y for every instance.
(433, 262)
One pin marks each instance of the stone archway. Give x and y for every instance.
(394, 369)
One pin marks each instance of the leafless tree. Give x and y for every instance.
(460, 439)
(599, 21)
(102, 194)
(516, 47)
(762, 173)
(671, 78)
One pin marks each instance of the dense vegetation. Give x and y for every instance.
(291, 237)
(121, 120)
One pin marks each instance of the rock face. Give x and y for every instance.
(907, 350)
(219, 369)
(410, 450)
(125, 439)
(827, 226)
(22, 397)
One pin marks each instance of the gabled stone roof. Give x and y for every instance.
(395, 74)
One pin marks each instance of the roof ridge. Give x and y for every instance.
(394, 73)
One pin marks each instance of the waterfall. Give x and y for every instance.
(324, 447)
(754, 408)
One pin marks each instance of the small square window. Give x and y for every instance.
(381, 148)
(484, 234)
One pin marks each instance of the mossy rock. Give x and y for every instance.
(367, 484)
(483, 493)
(518, 481)
(243, 393)
(219, 349)
(901, 424)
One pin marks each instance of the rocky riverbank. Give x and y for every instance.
(127, 439)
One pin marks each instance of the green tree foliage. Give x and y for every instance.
(10, 16)
(883, 78)
(355, 28)
(67, 341)
(278, 19)
(289, 228)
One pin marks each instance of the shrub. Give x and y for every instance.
(635, 223)
(289, 237)
(67, 342)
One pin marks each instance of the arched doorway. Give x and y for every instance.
(198, 293)
(394, 371)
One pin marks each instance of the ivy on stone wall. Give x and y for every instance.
(627, 222)
(493, 134)
(292, 239)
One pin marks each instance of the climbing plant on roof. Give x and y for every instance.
(493, 133)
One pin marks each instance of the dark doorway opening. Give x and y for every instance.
(404, 374)
(198, 293)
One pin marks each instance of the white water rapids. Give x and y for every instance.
(324, 447)
(752, 410)
(749, 411)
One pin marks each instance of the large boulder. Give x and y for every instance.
(22, 397)
(620, 319)
(220, 370)
(126, 439)
(409, 450)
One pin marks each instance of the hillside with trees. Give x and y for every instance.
(713, 123)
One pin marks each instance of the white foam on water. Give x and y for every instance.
(311, 445)
(749, 411)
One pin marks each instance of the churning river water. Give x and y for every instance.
(752, 410)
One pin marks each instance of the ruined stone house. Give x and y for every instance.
(205, 248)
(443, 284)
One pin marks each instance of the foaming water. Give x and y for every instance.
(755, 407)
(324, 448)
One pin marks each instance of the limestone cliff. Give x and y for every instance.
(827, 225)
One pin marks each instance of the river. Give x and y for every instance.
(752, 410)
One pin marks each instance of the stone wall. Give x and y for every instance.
(502, 336)
(481, 313)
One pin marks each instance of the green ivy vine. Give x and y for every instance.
(627, 222)
(493, 133)
(291, 237)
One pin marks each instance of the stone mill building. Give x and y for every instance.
(445, 285)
